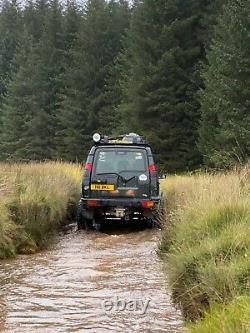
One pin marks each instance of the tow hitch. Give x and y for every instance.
(120, 212)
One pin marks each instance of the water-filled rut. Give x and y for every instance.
(88, 282)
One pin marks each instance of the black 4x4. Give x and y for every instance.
(120, 182)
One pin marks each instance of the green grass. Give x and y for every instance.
(206, 242)
(35, 199)
(232, 318)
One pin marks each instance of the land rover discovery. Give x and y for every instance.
(120, 182)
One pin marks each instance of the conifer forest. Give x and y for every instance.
(175, 71)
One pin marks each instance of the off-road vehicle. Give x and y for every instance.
(120, 182)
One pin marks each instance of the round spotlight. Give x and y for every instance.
(96, 137)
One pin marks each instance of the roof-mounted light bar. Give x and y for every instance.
(131, 138)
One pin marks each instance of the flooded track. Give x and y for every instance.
(88, 282)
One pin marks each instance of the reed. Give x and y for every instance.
(35, 199)
(206, 240)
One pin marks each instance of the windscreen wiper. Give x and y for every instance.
(111, 173)
(128, 180)
(118, 176)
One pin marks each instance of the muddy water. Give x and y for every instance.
(94, 282)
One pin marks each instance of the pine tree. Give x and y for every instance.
(35, 13)
(10, 31)
(164, 47)
(72, 21)
(225, 124)
(31, 104)
(20, 104)
(109, 116)
(85, 97)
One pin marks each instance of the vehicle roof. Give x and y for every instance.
(121, 146)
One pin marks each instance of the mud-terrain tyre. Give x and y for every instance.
(82, 223)
(158, 216)
(160, 213)
(151, 223)
(88, 224)
(98, 226)
(79, 219)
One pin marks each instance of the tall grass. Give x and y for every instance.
(34, 200)
(206, 242)
(234, 318)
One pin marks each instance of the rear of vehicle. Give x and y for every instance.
(120, 183)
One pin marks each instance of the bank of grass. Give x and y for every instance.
(35, 199)
(234, 318)
(206, 248)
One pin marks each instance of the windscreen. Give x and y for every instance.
(117, 160)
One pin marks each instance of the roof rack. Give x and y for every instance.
(131, 139)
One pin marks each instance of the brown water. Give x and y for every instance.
(63, 289)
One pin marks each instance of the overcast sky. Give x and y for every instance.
(80, 2)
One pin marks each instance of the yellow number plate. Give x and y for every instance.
(102, 187)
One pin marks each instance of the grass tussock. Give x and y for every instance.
(206, 243)
(34, 200)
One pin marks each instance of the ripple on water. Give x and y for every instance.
(63, 289)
